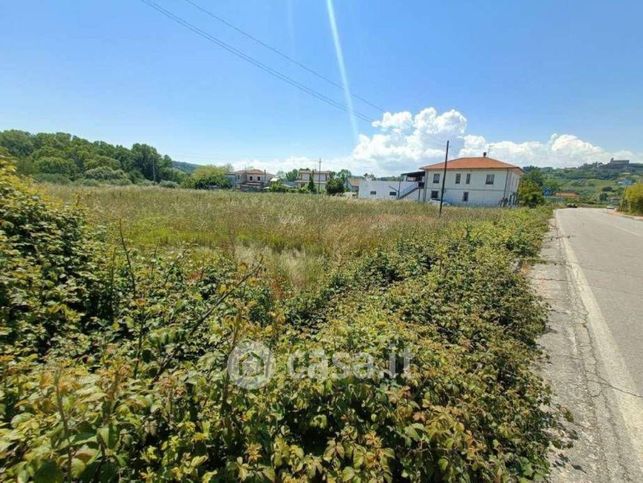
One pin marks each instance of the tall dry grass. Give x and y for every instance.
(299, 237)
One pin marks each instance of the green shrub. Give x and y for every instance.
(335, 186)
(106, 175)
(278, 187)
(102, 162)
(52, 165)
(48, 271)
(530, 194)
(206, 177)
(113, 361)
(632, 201)
(168, 184)
(51, 178)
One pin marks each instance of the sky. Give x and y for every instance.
(547, 82)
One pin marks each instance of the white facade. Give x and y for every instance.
(389, 190)
(320, 178)
(475, 187)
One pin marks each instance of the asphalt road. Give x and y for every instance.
(608, 250)
(591, 275)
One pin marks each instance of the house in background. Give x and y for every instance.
(320, 178)
(617, 164)
(371, 189)
(478, 181)
(252, 179)
(351, 184)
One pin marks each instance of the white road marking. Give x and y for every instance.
(629, 405)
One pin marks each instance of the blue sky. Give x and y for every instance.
(498, 75)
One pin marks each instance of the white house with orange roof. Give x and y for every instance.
(478, 181)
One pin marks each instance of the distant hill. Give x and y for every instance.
(184, 166)
(592, 183)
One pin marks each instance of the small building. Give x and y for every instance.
(351, 184)
(370, 189)
(320, 178)
(252, 179)
(477, 181)
(617, 163)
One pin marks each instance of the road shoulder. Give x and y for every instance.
(601, 450)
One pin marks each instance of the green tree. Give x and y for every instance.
(529, 193)
(54, 165)
(101, 161)
(551, 184)
(311, 184)
(344, 174)
(292, 175)
(278, 187)
(205, 177)
(148, 161)
(18, 143)
(534, 175)
(175, 175)
(335, 186)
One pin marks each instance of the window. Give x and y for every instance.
(458, 177)
(436, 178)
(434, 195)
(468, 181)
(490, 178)
(465, 196)
(250, 178)
(392, 193)
(373, 193)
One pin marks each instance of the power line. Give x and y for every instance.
(253, 61)
(280, 53)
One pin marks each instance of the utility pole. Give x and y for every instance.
(319, 178)
(444, 176)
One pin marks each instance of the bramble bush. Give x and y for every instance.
(113, 361)
(633, 199)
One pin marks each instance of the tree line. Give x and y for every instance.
(63, 158)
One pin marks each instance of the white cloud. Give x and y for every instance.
(405, 141)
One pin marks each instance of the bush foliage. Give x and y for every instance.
(114, 361)
(633, 199)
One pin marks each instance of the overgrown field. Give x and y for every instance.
(299, 238)
(115, 349)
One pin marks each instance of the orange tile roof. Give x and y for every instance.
(472, 163)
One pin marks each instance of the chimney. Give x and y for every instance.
(484, 155)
